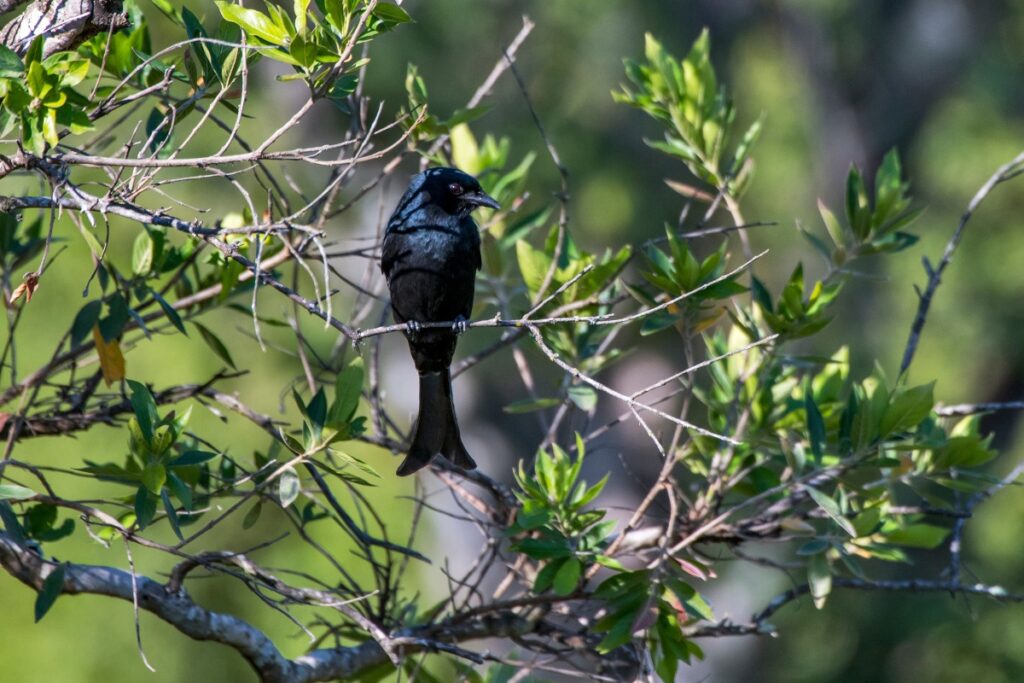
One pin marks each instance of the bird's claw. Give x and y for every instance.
(413, 327)
(460, 325)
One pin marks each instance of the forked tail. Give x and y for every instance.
(437, 430)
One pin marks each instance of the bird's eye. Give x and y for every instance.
(455, 189)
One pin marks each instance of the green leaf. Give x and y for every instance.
(748, 140)
(145, 507)
(610, 562)
(348, 388)
(815, 423)
(867, 521)
(215, 344)
(568, 577)
(168, 10)
(154, 475)
(172, 515)
(169, 311)
(584, 496)
(36, 79)
(253, 22)
(50, 127)
(341, 88)
(252, 516)
(964, 451)
(144, 407)
(10, 63)
(761, 295)
(15, 492)
(158, 132)
(530, 405)
(543, 548)
(391, 14)
(112, 326)
(316, 411)
(142, 254)
(533, 265)
(888, 186)
(301, 7)
(814, 547)
(620, 633)
(51, 589)
(846, 424)
(288, 487)
(697, 607)
(907, 408)
(831, 508)
(302, 51)
(819, 579)
(584, 396)
(866, 421)
(10, 522)
(189, 458)
(835, 230)
(857, 213)
(85, 321)
(546, 576)
(180, 489)
(919, 536)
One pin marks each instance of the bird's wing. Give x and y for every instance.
(389, 253)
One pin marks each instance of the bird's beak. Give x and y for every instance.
(481, 198)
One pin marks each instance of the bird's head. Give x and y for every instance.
(453, 191)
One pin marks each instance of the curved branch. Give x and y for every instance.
(179, 610)
(1005, 172)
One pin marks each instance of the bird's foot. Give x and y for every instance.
(460, 325)
(413, 327)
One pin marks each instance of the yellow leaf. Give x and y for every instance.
(465, 151)
(111, 360)
(707, 321)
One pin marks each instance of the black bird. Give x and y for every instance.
(430, 258)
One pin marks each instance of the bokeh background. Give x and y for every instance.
(839, 81)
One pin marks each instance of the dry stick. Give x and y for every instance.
(719, 230)
(598, 320)
(135, 605)
(669, 460)
(965, 513)
(759, 625)
(267, 424)
(633, 403)
(816, 478)
(241, 102)
(1004, 172)
(307, 155)
(963, 409)
(704, 363)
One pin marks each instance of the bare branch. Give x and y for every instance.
(1005, 172)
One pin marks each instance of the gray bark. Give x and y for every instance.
(65, 23)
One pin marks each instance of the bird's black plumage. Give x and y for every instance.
(430, 257)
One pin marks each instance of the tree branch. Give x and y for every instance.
(1003, 173)
(65, 23)
(179, 610)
